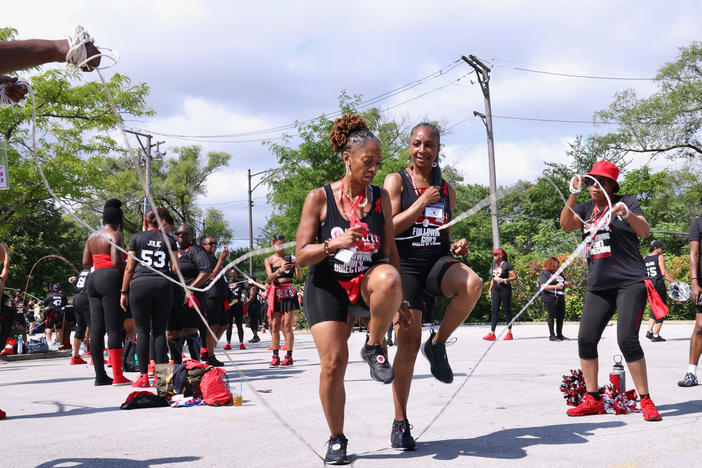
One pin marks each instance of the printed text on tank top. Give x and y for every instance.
(433, 217)
(600, 246)
(364, 249)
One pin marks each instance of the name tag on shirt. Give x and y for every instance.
(435, 211)
(343, 255)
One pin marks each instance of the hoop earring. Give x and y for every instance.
(434, 164)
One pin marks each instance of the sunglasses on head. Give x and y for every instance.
(590, 181)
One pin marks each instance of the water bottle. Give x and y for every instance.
(618, 376)
(20, 346)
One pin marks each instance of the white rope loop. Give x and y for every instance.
(6, 100)
(78, 53)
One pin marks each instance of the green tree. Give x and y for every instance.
(664, 123)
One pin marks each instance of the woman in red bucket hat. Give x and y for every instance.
(615, 281)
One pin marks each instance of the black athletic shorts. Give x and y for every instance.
(418, 279)
(216, 315)
(325, 300)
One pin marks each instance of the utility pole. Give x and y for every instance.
(250, 175)
(146, 148)
(483, 73)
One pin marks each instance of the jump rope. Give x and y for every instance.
(77, 56)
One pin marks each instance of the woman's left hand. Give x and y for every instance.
(460, 247)
(621, 210)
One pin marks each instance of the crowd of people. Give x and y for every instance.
(374, 254)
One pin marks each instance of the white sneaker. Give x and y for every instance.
(83, 349)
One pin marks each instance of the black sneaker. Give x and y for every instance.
(255, 339)
(400, 437)
(336, 451)
(649, 335)
(436, 354)
(213, 361)
(389, 342)
(552, 338)
(688, 381)
(561, 338)
(102, 380)
(380, 369)
(658, 338)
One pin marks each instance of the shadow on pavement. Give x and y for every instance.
(61, 410)
(47, 381)
(504, 444)
(269, 373)
(114, 462)
(680, 409)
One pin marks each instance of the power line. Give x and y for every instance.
(363, 104)
(591, 76)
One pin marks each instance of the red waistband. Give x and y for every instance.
(102, 261)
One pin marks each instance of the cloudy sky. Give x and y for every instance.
(231, 67)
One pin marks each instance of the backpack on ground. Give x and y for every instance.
(215, 388)
(186, 378)
(37, 346)
(130, 361)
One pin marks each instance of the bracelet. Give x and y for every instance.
(693, 279)
(406, 302)
(326, 248)
(124, 292)
(573, 191)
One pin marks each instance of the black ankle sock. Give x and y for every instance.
(644, 396)
(595, 395)
(289, 354)
(275, 352)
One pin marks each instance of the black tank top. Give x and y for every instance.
(653, 269)
(285, 277)
(430, 242)
(368, 250)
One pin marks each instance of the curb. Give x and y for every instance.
(31, 357)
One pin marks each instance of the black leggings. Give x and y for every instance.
(236, 314)
(598, 309)
(151, 301)
(106, 315)
(81, 307)
(501, 295)
(555, 306)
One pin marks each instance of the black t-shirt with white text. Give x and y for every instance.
(56, 300)
(79, 286)
(613, 257)
(152, 252)
(559, 280)
(501, 271)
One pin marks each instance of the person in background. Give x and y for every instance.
(658, 274)
(553, 296)
(695, 237)
(500, 290)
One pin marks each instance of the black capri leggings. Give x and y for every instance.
(501, 295)
(151, 301)
(81, 307)
(599, 307)
(555, 306)
(106, 315)
(235, 314)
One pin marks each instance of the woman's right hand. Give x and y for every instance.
(430, 195)
(349, 238)
(695, 291)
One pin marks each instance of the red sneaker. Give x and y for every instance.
(284, 347)
(227, 346)
(77, 360)
(508, 336)
(155, 381)
(241, 346)
(490, 337)
(275, 362)
(588, 406)
(141, 382)
(87, 353)
(288, 361)
(2, 414)
(122, 380)
(65, 347)
(650, 413)
(151, 370)
(270, 347)
(203, 354)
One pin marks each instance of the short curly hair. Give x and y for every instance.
(348, 131)
(551, 264)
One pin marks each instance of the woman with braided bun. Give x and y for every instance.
(615, 280)
(421, 203)
(106, 315)
(346, 236)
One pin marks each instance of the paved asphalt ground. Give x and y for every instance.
(509, 413)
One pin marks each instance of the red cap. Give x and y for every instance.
(606, 169)
(500, 251)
